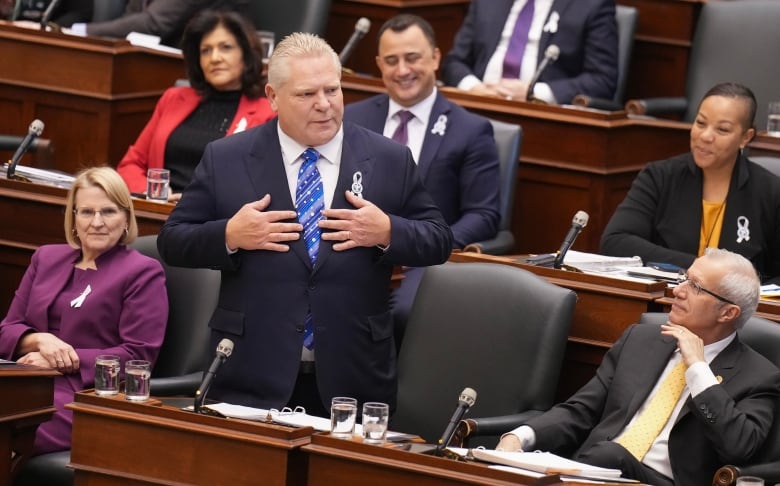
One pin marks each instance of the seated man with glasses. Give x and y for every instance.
(670, 405)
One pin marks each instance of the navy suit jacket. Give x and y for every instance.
(586, 35)
(725, 424)
(459, 169)
(265, 295)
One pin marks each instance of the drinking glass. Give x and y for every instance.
(375, 417)
(343, 411)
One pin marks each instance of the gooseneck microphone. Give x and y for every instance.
(224, 350)
(362, 27)
(577, 224)
(550, 55)
(35, 130)
(47, 13)
(466, 400)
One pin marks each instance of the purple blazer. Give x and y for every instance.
(125, 314)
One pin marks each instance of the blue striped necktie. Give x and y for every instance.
(309, 203)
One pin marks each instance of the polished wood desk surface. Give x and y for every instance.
(27, 401)
(117, 442)
(94, 95)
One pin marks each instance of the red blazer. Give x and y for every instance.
(175, 105)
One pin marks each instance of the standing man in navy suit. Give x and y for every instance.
(309, 321)
(585, 32)
(454, 149)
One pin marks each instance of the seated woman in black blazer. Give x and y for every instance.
(712, 196)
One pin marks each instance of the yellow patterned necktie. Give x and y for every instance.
(641, 434)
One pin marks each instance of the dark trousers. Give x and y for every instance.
(307, 395)
(612, 455)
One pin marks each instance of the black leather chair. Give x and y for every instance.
(495, 328)
(284, 18)
(103, 10)
(772, 164)
(626, 18)
(509, 139)
(192, 298)
(729, 44)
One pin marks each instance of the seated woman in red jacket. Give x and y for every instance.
(224, 67)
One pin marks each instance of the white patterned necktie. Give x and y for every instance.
(309, 203)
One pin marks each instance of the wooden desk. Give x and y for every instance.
(445, 16)
(662, 45)
(116, 442)
(93, 95)
(27, 401)
(32, 215)
(571, 159)
(352, 463)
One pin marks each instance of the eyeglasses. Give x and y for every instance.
(698, 289)
(89, 213)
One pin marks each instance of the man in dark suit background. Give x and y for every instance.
(585, 31)
(239, 216)
(454, 149)
(728, 400)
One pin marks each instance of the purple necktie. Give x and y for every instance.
(309, 203)
(401, 134)
(516, 47)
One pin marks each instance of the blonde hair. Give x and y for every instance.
(294, 46)
(115, 188)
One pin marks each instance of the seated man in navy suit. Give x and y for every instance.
(306, 217)
(455, 151)
(502, 43)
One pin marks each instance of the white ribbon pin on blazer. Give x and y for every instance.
(440, 127)
(552, 23)
(357, 184)
(743, 233)
(241, 126)
(80, 299)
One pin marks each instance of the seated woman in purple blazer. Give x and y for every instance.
(92, 296)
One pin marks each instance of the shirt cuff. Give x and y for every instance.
(526, 435)
(469, 82)
(229, 251)
(543, 92)
(699, 377)
(79, 28)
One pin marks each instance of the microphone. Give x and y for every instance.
(47, 13)
(577, 224)
(465, 401)
(362, 27)
(550, 55)
(224, 350)
(35, 130)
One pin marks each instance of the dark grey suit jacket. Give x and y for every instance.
(725, 424)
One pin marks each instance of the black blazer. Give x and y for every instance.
(660, 218)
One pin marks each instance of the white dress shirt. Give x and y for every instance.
(415, 127)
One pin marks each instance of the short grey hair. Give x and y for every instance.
(297, 45)
(740, 284)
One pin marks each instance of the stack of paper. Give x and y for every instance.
(592, 262)
(546, 463)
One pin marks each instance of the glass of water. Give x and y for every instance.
(375, 417)
(157, 184)
(773, 119)
(106, 374)
(138, 372)
(343, 411)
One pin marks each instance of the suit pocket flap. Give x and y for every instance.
(231, 322)
(381, 326)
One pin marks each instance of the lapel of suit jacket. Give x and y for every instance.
(355, 157)
(380, 111)
(432, 141)
(57, 276)
(265, 168)
(653, 361)
(499, 12)
(559, 7)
